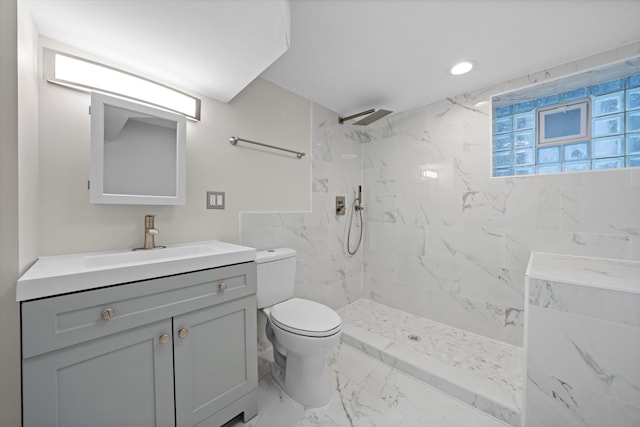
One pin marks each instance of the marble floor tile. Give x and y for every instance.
(367, 393)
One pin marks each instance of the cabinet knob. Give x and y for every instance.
(108, 313)
(182, 333)
(222, 286)
(164, 338)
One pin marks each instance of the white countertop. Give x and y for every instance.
(55, 275)
(614, 274)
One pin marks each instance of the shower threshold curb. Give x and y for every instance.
(462, 385)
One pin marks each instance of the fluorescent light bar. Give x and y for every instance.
(68, 70)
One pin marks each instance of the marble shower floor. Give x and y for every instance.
(367, 392)
(477, 370)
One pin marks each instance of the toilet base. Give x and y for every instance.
(304, 379)
(300, 366)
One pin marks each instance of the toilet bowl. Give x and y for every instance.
(302, 332)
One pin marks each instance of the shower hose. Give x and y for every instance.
(355, 208)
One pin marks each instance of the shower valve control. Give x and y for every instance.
(341, 208)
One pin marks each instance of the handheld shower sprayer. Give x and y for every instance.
(357, 207)
(358, 200)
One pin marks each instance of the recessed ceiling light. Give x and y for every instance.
(481, 104)
(462, 67)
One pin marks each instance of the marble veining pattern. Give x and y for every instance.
(496, 361)
(602, 273)
(583, 342)
(612, 306)
(584, 352)
(552, 401)
(427, 171)
(367, 393)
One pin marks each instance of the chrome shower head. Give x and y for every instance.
(372, 116)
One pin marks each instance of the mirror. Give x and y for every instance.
(137, 153)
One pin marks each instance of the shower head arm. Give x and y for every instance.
(341, 120)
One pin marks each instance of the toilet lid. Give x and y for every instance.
(304, 317)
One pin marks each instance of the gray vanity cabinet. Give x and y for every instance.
(213, 367)
(172, 351)
(125, 379)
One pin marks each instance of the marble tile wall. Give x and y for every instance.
(583, 343)
(324, 271)
(445, 240)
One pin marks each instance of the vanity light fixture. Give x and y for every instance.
(462, 67)
(72, 71)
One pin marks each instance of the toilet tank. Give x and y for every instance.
(276, 276)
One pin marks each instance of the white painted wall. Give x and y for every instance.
(9, 313)
(18, 188)
(28, 152)
(253, 178)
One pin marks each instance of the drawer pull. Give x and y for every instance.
(108, 313)
(164, 339)
(222, 286)
(182, 333)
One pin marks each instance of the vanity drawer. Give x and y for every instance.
(57, 322)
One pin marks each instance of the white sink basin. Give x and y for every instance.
(57, 275)
(159, 254)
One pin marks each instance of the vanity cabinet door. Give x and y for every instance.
(124, 379)
(215, 361)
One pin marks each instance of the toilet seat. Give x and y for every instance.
(304, 317)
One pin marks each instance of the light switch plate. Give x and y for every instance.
(215, 199)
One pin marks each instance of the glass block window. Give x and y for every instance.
(588, 128)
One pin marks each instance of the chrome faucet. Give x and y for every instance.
(149, 234)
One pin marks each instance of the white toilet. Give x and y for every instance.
(302, 332)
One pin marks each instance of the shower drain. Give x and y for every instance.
(413, 337)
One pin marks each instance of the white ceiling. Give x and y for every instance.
(348, 55)
(211, 47)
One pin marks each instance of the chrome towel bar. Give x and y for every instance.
(234, 140)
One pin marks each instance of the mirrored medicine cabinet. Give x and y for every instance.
(137, 153)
